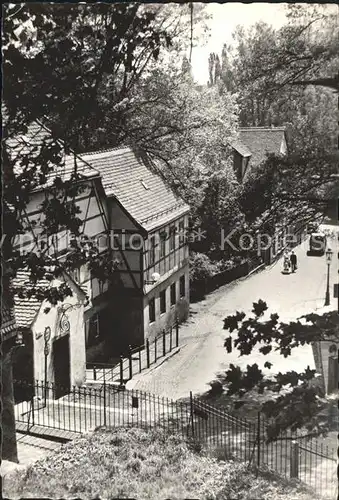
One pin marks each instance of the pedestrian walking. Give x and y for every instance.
(287, 264)
(293, 260)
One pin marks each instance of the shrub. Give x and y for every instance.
(201, 270)
(135, 463)
(216, 388)
(201, 267)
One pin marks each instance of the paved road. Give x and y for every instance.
(202, 355)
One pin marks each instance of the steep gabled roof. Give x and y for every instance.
(137, 183)
(241, 148)
(26, 309)
(262, 140)
(30, 142)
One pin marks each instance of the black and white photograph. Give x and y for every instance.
(169, 250)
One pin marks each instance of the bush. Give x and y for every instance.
(147, 465)
(216, 388)
(201, 267)
(201, 270)
(226, 265)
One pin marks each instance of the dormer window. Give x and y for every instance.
(144, 184)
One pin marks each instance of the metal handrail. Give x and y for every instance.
(100, 365)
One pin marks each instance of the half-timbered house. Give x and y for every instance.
(89, 200)
(148, 224)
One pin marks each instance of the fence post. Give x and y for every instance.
(147, 353)
(163, 342)
(155, 349)
(171, 339)
(192, 416)
(177, 333)
(258, 439)
(104, 402)
(294, 464)
(130, 362)
(32, 407)
(121, 370)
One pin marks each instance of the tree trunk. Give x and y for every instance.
(9, 444)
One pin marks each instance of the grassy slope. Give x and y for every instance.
(132, 463)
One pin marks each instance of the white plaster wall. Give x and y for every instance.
(77, 346)
(77, 339)
(283, 147)
(41, 322)
(180, 309)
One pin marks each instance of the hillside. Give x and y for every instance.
(133, 463)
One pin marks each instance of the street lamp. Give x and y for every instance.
(155, 277)
(329, 254)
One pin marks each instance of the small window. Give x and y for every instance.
(172, 238)
(151, 250)
(181, 233)
(144, 184)
(93, 331)
(333, 350)
(162, 245)
(182, 286)
(173, 294)
(163, 302)
(151, 309)
(75, 274)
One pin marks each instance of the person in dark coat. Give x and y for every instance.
(293, 259)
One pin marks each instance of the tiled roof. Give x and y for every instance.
(137, 183)
(240, 147)
(25, 310)
(35, 136)
(261, 140)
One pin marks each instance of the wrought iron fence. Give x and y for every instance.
(136, 360)
(292, 455)
(85, 408)
(217, 432)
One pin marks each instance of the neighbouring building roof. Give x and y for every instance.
(26, 309)
(241, 148)
(137, 183)
(262, 140)
(37, 133)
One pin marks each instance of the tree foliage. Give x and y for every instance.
(263, 64)
(76, 82)
(294, 399)
(291, 190)
(267, 61)
(110, 76)
(259, 71)
(82, 75)
(187, 128)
